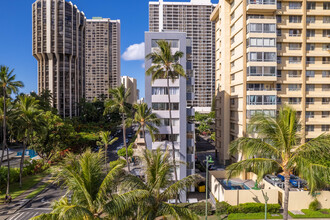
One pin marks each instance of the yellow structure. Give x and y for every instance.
(270, 53)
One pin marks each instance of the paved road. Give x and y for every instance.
(41, 204)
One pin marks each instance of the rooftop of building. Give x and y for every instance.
(192, 2)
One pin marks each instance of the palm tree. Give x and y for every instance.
(93, 191)
(9, 86)
(166, 66)
(118, 101)
(277, 149)
(106, 140)
(146, 120)
(27, 119)
(158, 187)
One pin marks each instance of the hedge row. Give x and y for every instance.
(225, 208)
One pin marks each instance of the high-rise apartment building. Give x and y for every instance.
(271, 53)
(131, 84)
(59, 47)
(192, 18)
(156, 96)
(102, 56)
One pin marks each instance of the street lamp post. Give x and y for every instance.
(208, 160)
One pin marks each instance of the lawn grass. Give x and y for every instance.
(260, 215)
(312, 214)
(27, 183)
(35, 192)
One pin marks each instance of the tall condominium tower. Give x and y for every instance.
(192, 18)
(59, 47)
(271, 53)
(156, 95)
(102, 56)
(130, 83)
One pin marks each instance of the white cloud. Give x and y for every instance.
(134, 52)
(143, 65)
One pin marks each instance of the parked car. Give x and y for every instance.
(272, 179)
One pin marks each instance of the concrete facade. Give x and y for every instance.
(130, 83)
(157, 98)
(193, 19)
(102, 56)
(271, 53)
(58, 35)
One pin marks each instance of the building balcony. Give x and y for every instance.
(190, 127)
(190, 112)
(190, 81)
(261, 5)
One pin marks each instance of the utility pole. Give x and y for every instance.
(208, 160)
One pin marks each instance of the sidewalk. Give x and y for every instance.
(20, 201)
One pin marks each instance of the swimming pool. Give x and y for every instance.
(30, 153)
(231, 185)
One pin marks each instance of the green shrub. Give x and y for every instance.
(199, 208)
(222, 207)
(122, 152)
(253, 208)
(314, 206)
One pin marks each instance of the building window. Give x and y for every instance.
(278, 87)
(232, 101)
(310, 19)
(164, 106)
(325, 114)
(261, 42)
(166, 122)
(326, 33)
(279, 5)
(232, 89)
(279, 60)
(278, 19)
(251, 113)
(309, 127)
(294, 59)
(325, 101)
(311, 5)
(309, 114)
(294, 101)
(233, 77)
(310, 33)
(326, 5)
(326, 47)
(163, 91)
(279, 46)
(294, 19)
(166, 137)
(325, 60)
(310, 87)
(309, 101)
(295, 5)
(278, 32)
(294, 73)
(261, 71)
(326, 87)
(310, 60)
(326, 73)
(261, 100)
(232, 126)
(310, 47)
(326, 19)
(325, 127)
(294, 46)
(294, 87)
(294, 32)
(310, 73)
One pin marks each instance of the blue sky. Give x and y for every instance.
(16, 35)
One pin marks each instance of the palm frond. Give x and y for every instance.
(176, 211)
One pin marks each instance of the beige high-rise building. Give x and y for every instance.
(130, 83)
(102, 56)
(192, 18)
(59, 47)
(268, 54)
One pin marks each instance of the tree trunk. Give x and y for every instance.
(172, 138)
(124, 137)
(286, 195)
(8, 172)
(144, 137)
(105, 156)
(4, 131)
(21, 164)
